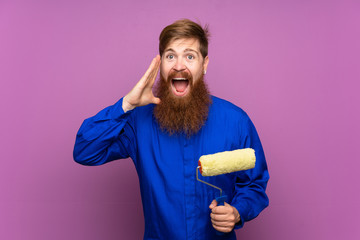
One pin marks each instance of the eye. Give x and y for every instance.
(190, 57)
(170, 56)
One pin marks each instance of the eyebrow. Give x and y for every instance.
(186, 50)
(191, 50)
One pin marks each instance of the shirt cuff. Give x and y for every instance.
(118, 112)
(242, 213)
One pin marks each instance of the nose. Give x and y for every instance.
(179, 65)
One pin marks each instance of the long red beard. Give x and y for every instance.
(182, 114)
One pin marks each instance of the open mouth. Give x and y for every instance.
(180, 86)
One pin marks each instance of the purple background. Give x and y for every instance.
(292, 65)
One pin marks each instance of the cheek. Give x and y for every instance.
(196, 71)
(163, 71)
(166, 65)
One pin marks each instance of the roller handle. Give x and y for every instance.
(220, 202)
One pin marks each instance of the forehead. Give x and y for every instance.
(183, 44)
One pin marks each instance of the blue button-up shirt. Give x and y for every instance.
(175, 204)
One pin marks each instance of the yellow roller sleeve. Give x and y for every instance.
(227, 162)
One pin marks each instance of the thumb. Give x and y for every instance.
(213, 204)
(156, 100)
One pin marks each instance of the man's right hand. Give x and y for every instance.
(142, 94)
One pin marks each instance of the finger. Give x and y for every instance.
(222, 224)
(221, 210)
(149, 70)
(222, 228)
(157, 61)
(218, 217)
(225, 224)
(229, 218)
(156, 100)
(213, 204)
(154, 67)
(154, 72)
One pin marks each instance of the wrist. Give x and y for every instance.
(126, 106)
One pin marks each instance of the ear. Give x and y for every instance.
(205, 64)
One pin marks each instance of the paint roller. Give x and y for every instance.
(225, 162)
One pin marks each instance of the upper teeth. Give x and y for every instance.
(179, 78)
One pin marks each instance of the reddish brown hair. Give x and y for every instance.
(184, 28)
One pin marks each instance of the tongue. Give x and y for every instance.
(180, 85)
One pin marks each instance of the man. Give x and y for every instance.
(165, 134)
